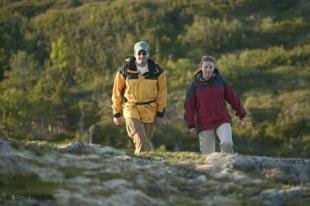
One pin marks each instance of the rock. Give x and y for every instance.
(80, 148)
(89, 174)
(12, 161)
(274, 197)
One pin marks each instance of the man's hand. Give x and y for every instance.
(193, 132)
(118, 120)
(159, 121)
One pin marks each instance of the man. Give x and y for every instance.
(140, 95)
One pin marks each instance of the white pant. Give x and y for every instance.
(207, 139)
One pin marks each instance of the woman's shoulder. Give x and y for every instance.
(218, 80)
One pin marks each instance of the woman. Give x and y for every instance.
(205, 108)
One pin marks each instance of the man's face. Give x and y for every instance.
(141, 56)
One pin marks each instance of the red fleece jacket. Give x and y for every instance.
(205, 103)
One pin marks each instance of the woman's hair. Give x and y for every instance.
(206, 58)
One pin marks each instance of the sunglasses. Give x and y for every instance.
(143, 52)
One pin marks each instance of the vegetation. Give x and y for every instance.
(58, 58)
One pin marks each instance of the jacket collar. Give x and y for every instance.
(199, 76)
(151, 65)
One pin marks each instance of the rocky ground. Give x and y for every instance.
(81, 174)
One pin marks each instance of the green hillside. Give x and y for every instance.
(58, 59)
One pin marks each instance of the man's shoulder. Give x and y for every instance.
(129, 59)
(127, 62)
(153, 66)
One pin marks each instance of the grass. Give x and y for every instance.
(70, 172)
(174, 157)
(127, 175)
(25, 184)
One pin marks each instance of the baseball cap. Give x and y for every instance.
(142, 45)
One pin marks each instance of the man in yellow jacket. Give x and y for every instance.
(140, 96)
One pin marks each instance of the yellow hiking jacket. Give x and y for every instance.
(138, 96)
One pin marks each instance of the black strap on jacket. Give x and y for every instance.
(141, 103)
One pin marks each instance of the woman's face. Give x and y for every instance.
(207, 69)
(142, 57)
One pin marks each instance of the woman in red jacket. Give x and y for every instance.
(206, 113)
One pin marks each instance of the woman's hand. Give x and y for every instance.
(242, 122)
(193, 132)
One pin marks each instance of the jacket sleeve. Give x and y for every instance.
(232, 98)
(162, 95)
(190, 107)
(117, 94)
